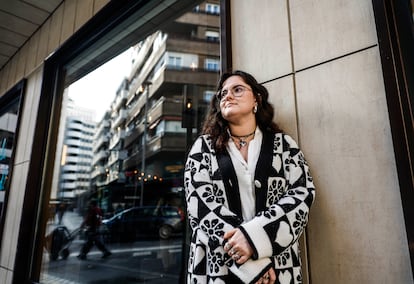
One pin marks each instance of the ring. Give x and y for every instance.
(232, 251)
(236, 256)
(227, 246)
(266, 276)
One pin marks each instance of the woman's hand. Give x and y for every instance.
(237, 246)
(268, 278)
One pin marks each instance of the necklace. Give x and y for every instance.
(241, 138)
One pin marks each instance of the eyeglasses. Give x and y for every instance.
(237, 92)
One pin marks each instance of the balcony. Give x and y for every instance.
(193, 46)
(116, 138)
(120, 99)
(99, 156)
(68, 168)
(101, 129)
(164, 107)
(138, 106)
(133, 135)
(100, 141)
(168, 142)
(113, 157)
(132, 161)
(119, 118)
(191, 76)
(99, 170)
(200, 19)
(72, 142)
(68, 186)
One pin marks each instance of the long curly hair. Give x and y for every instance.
(216, 126)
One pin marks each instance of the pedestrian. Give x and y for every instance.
(248, 191)
(92, 221)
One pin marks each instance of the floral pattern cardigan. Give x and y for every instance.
(284, 194)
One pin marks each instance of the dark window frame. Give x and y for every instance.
(395, 33)
(225, 36)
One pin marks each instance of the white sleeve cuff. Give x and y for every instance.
(259, 239)
(249, 271)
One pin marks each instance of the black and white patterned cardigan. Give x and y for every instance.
(284, 193)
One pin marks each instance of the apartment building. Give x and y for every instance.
(147, 139)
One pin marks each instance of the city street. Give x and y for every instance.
(144, 261)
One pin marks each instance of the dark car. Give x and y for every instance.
(131, 224)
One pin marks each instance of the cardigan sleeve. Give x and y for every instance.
(206, 201)
(208, 210)
(275, 229)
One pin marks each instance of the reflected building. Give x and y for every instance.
(76, 152)
(147, 138)
(100, 171)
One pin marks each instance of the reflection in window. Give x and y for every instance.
(208, 95)
(8, 124)
(212, 36)
(9, 120)
(212, 64)
(212, 8)
(174, 61)
(132, 156)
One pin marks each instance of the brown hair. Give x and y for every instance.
(216, 126)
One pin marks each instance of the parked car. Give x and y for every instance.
(133, 223)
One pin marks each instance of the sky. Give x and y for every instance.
(97, 89)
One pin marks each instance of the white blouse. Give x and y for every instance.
(245, 172)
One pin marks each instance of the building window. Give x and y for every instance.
(208, 95)
(175, 62)
(212, 36)
(212, 9)
(212, 64)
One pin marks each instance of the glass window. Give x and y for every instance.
(9, 120)
(212, 64)
(121, 148)
(174, 61)
(212, 36)
(208, 95)
(212, 8)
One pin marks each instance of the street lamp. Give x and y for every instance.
(144, 139)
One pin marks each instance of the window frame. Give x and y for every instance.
(396, 43)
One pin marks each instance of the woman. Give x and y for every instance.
(248, 191)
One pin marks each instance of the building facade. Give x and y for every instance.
(76, 155)
(340, 74)
(141, 142)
